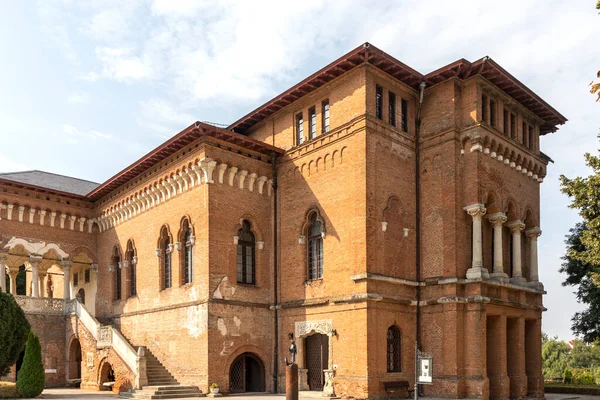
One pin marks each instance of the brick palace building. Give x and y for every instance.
(362, 210)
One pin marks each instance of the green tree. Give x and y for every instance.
(31, 378)
(596, 85)
(555, 355)
(584, 276)
(13, 332)
(583, 355)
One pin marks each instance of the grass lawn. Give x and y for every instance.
(8, 390)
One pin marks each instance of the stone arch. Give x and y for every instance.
(308, 216)
(247, 348)
(79, 250)
(253, 224)
(247, 373)
(343, 152)
(106, 374)
(512, 210)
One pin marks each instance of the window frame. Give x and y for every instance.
(299, 129)
(325, 109)
(187, 259)
(314, 265)
(484, 108)
(493, 116)
(394, 349)
(166, 259)
(392, 108)
(131, 256)
(404, 116)
(312, 123)
(246, 241)
(86, 276)
(75, 279)
(116, 260)
(379, 102)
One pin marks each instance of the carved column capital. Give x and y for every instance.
(66, 264)
(533, 233)
(516, 226)
(3, 257)
(498, 218)
(35, 260)
(477, 210)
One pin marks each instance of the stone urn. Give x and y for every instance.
(214, 390)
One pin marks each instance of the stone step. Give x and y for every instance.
(163, 392)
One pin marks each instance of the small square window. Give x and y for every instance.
(76, 279)
(87, 276)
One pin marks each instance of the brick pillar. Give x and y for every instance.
(515, 357)
(474, 346)
(533, 358)
(496, 357)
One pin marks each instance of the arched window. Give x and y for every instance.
(116, 263)
(245, 255)
(187, 238)
(393, 349)
(131, 257)
(166, 248)
(315, 248)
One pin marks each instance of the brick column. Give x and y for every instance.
(3, 258)
(35, 261)
(515, 338)
(497, 219)
(515, 229)
(496, 357)
(476, 211)
(533, 358)
(533, 234)
(66, 266)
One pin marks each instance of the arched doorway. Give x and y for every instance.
(21, 282)
(247, 374)
(81, 296)
(317, 359)
(107, 375)
(75, 358)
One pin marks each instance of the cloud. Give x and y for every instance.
(7, 165)
(163, 118)
(78, 98)
(74, 135)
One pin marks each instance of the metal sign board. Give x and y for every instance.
(424, 370)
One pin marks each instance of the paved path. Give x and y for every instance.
(72, 394)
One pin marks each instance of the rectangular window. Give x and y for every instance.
(484, 108)
(505, 123)
(299, 129)
(513, 126)
(325, 115)
(524, 134)
(312, 120)
(404, 110)
(392, 108)
(379, 102)
(531, 138)
(87, 276)
(76, 279)
(493, 113)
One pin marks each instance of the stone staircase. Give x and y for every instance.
(161, 384)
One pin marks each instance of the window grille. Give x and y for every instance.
(325, 116)
(299, 129)
(188, 254)
(312, 115)
(76, 279)
(245, 255)
(166, 250)
(117, 265)
(393, 349)
(315, 248)
(87, 276)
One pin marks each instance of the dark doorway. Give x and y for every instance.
(247, 374)
(317, 359)
(75, 360)
(107, 377)
(81, 296)
(21, 282)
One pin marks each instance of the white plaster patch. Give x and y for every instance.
(39, 248)
(235, 331)
(221, 326)
(224, 290)
(197, 320)
(227, 345)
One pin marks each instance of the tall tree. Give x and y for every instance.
(584, 276)
(31, 378)
(13, 332)
(555, 354)
(596, 85)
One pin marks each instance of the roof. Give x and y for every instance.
(176, 143)
(52, 182)
(367, 53)
(510, 85)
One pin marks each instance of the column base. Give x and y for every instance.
(536, 285)
(477, 273)
(518, 280)
(499, 277)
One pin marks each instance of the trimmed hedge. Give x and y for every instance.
(31, 378)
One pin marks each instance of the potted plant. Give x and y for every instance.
(214, 388)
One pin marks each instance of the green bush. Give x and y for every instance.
(567, 376)
(31, 378)
(13, 332)
(586, 378)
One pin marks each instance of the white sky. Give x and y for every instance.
(86, 88)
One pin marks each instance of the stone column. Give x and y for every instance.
(3, 258)
(534, 279)
(35, 261)
(66, 266)
(42, 276)
(477, 211)
(13, 282)
(517, 274)
(497, 219)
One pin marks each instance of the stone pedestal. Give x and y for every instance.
(328, 389)
(303, 379)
